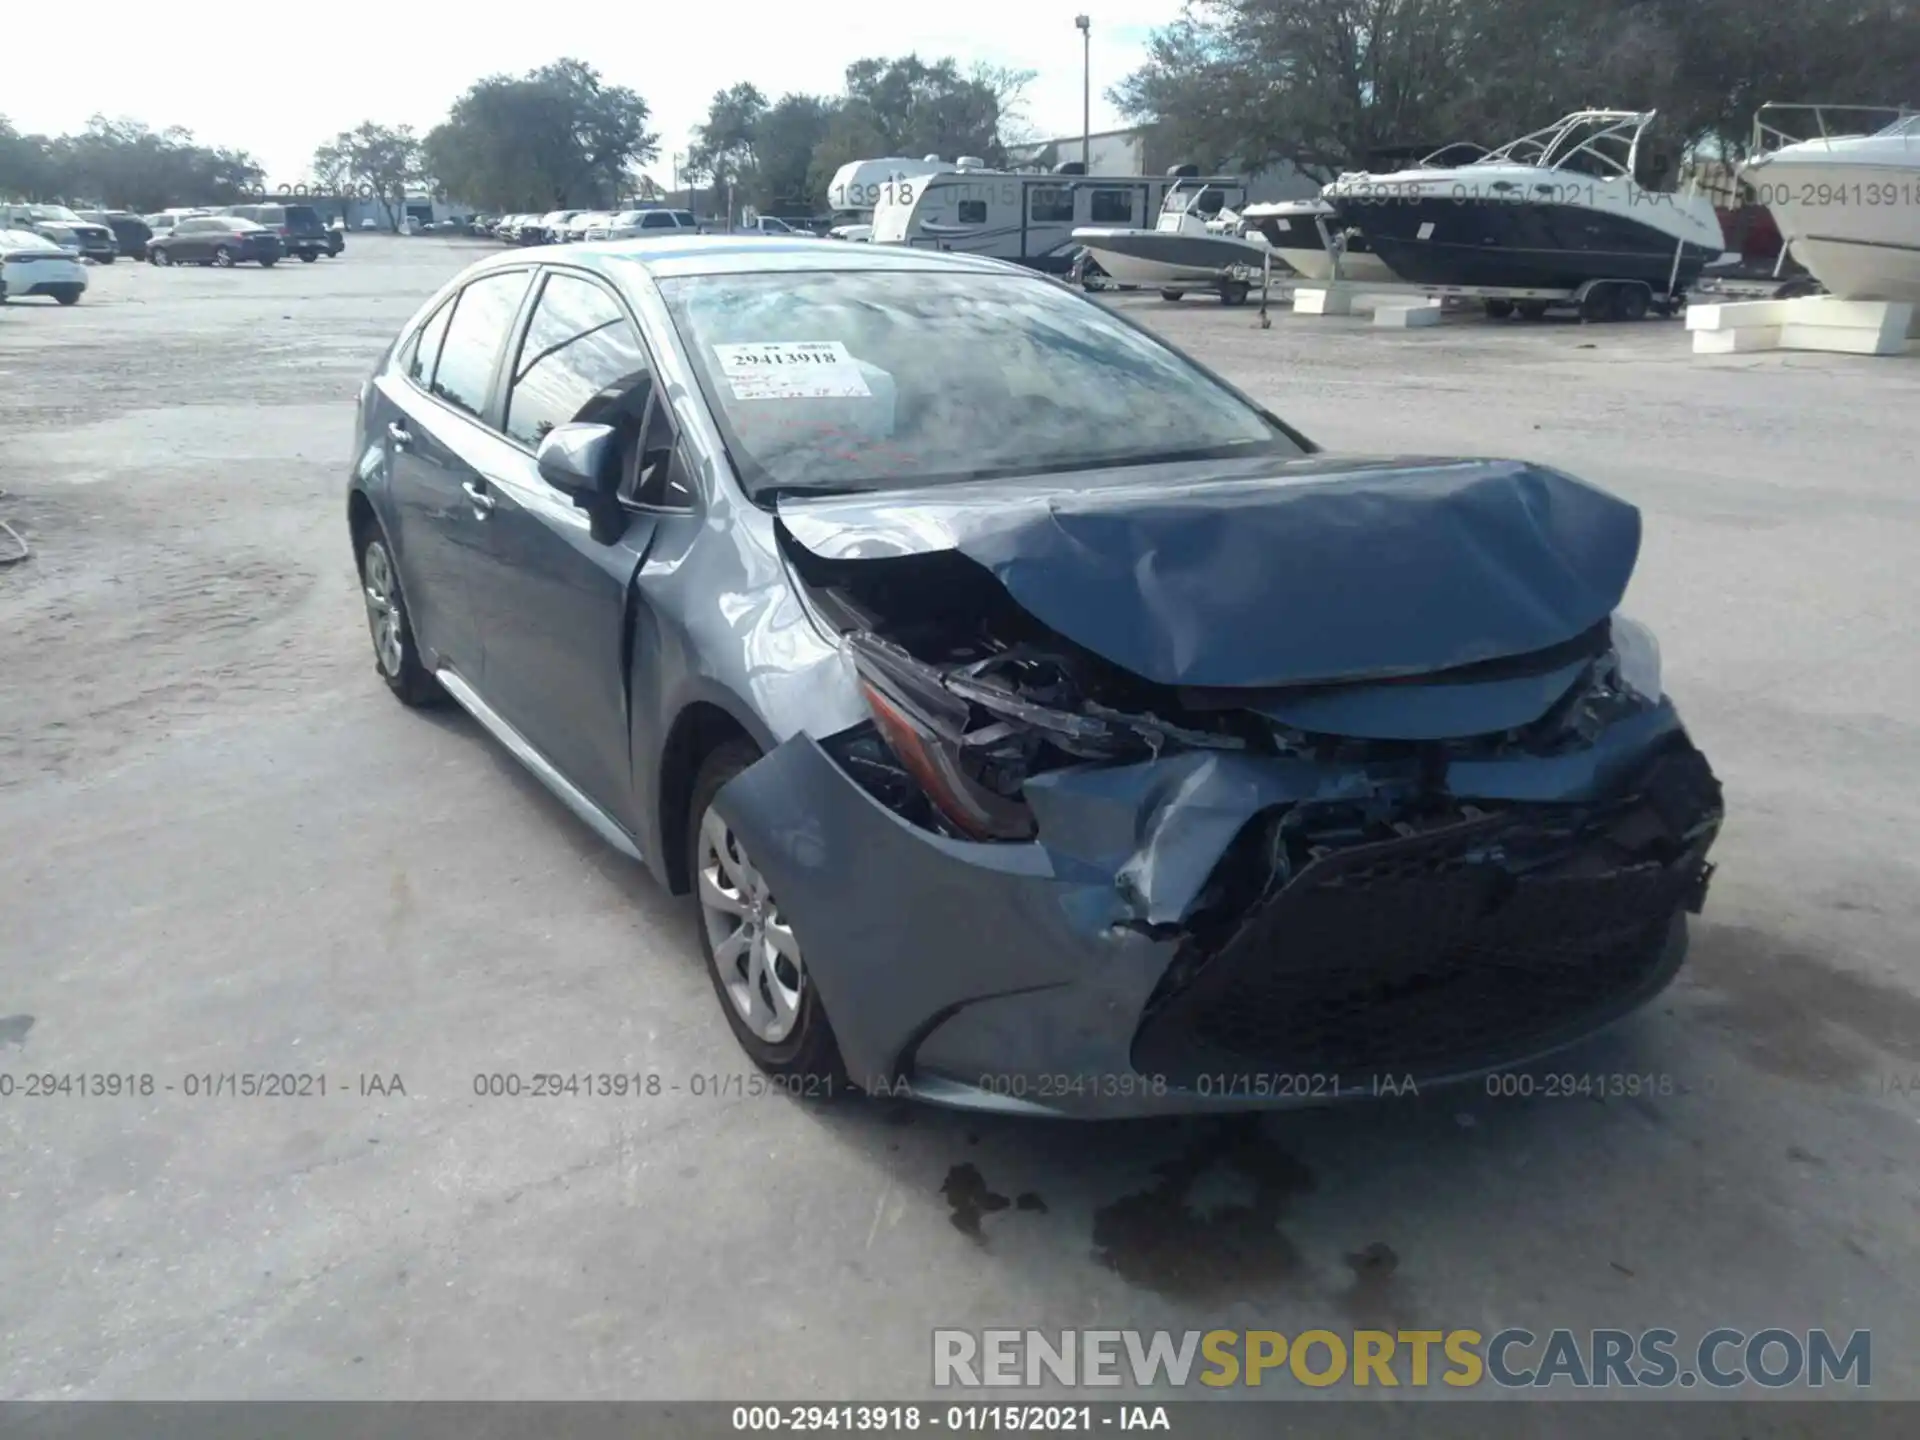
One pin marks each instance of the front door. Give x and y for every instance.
(556, 606)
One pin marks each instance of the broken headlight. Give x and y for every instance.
(926, 727)
(1637, 658)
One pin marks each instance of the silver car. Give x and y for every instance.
(1038, 723)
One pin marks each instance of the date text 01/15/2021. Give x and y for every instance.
(953, 1419)
(196, 1085)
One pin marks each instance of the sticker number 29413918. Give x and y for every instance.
(792, 370)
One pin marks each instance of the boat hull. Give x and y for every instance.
(1293, 234)
(1169, 260)
(1854, 225)
(1501, 243)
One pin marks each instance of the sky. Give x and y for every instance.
(327, 68)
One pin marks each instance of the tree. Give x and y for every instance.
(785, 141)
(1323, 83)
(724, 149)
(556, 137)
(123, 163)
(383, 162)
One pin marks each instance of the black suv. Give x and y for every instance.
(300, 228)
(129, 230)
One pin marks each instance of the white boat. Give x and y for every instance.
(1847, 199)
(1188, 248)
(1305, 237)
(1555, 209)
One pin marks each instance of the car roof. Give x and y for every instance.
(669, 256)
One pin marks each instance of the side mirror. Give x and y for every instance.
(578, 461)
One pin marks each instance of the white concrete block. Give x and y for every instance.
(1314, 300)
(1815, 322)
(1406, 317)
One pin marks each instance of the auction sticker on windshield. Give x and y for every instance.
(792, 370)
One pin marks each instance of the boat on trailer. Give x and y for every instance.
(1192, 245)
(1305, 237)
(1562, 208)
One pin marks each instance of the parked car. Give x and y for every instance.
(577, 229)
(1039, 723)
(369, 224)
(629, 224)
(129, 230)
(546, 229)
(223, 240)
(301, 230)
(65, 228)
(31, 264)
(751, 224)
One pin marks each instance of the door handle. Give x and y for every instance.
(481, 501)
(399, 435)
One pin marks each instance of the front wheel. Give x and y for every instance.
(753, 956)
(268, 263)
(158, 257)
(223, 257)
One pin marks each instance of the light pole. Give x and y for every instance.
(1085, 27)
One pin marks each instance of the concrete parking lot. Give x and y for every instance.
(225, 849)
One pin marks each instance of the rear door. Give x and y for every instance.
(437, 441)
(558, 616)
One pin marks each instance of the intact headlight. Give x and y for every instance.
(1637, 655)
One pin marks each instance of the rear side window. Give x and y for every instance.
(579, 343)
(302, 215)
(658, 220)
(475, 336)
(426, 348)
(685, 220)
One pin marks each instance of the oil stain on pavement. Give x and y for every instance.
(1162, 1240)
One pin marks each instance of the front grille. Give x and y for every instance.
(1474, 943)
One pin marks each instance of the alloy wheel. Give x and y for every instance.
(754, 947)
(383, 608)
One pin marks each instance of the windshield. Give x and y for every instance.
(879, 379)
(1909, 126)
(59, 214)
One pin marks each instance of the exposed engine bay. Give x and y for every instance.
(972, 697)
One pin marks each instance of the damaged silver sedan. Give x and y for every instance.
(1039, 723)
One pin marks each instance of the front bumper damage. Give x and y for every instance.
(1172, 941)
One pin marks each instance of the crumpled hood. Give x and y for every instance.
(1284, 572)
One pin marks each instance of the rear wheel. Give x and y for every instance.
(68, 294)
(268, 262)
(1633, 302)
(753, 956)
(159, 257)
(1171, 294)
(1499, 309)
(394, 650)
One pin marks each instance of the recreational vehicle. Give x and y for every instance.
(1028, 218)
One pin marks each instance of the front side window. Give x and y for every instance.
(481, 318)
(883, 379)
(1050, 204)
(579, 344)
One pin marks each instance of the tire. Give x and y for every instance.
(307, 257)
(1171, 294)
(106, 260)
(1632, 302)
(395, 655)
(1531, 309)
(805, 1049)
(268, 263)
(1599, 304)
(68, 294)
(223, 256)
(1499, 309)
(159, 257)
(1235, 292)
